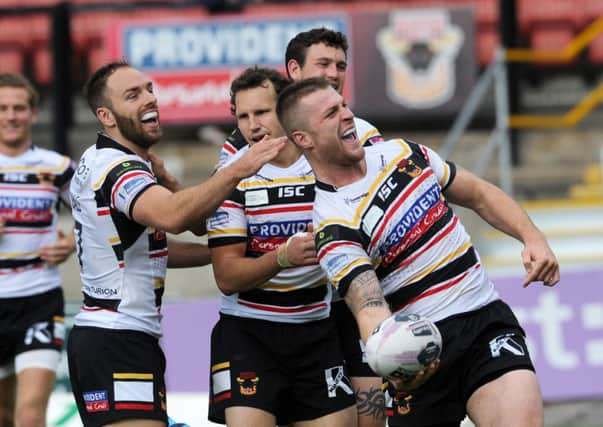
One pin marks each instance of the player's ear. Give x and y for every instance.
(105, 116)
(301, 139)
(293, 70)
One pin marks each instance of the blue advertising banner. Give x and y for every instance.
(192, 62)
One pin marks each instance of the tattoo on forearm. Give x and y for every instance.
(371, 403)
(365, 291)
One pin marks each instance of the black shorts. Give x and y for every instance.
(116, 375)
(349, 336)
(294, 371)
(478, 347)
(31, 323)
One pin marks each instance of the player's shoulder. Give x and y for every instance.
(232, 158)
(233, 144)
(363, 125)
(236, 139)
(367, 133)
(108, 153)
(393, 145)
(51, 158)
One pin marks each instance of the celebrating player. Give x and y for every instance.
(384, 228)
(116, 365)
(275, 354)
(321, 52)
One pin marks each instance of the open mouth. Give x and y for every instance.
(150, 117)
(349, 136)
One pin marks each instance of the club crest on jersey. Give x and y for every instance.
(248, 383)
(409, 167)
(46, 179)
(401, 402)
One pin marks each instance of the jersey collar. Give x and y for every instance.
(104, 141)
(326, 187)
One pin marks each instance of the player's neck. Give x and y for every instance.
(338, 175)
(288, 155)
(15, 150)
(137, 149)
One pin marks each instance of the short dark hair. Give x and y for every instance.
(94, 89)
(19, 81)
(255, 77)
(298, 45)
(291, 96)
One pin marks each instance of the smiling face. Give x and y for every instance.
(16, 118)
(133, 113)
(255, 110)
(330, 129)
(321, 61)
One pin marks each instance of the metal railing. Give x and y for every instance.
(495, 74)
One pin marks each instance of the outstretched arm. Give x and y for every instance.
(176, 212)
(170, 182)
(506, 215)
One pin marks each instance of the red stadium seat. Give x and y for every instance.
(487, 43)
(42, 65)
(11, 61)
(592, 9)
(595, 50)
(551, 37)
(15, 31)
(550, 12)
(97, 56)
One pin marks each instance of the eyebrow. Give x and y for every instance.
(146, 85)
(132, 89)
(330, 110)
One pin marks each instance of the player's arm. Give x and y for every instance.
(505, 214)
(164, 178)
(58, 251)
(61, 249)
(365, 299)
(234, 272)
(187, 254)
(170, 182)
(176, 212)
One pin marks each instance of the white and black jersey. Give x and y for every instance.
(123, 263)
(397, 222)
(264, 211)
(31, 188)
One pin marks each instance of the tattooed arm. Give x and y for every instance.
(367, 303)
(370, 401)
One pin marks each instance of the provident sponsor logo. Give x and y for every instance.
(96, 401)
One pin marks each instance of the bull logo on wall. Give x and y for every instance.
(420, 48)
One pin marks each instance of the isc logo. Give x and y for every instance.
(290, 191)
(386, 189)
(15, 177)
